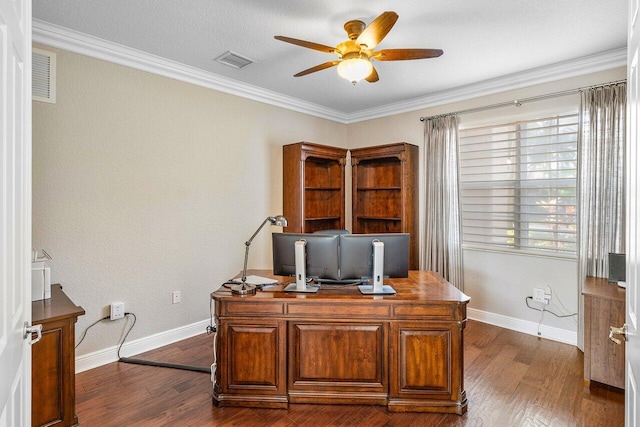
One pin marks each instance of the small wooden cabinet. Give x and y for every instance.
(385, 192)
(604, 306)
(313, 187)
(53, 361)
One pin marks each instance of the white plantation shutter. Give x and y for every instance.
(518, 186)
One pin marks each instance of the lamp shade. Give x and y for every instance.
(354, 69)
(279, 221)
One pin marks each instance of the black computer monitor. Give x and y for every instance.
(321, 253)
(356, 255)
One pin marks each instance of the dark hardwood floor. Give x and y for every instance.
(512, 379)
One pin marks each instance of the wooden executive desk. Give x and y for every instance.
(338, 346)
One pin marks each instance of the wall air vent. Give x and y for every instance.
(43, 79)
(234, 60)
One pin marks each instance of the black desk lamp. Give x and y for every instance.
(244, 288)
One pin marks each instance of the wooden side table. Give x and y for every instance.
(604, 306)
(53, 361)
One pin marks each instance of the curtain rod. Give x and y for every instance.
(519, 102)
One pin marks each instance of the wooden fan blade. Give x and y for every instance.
(317, 68)
(373, 77)
(304, 43)
(377, 30)
(404, 54)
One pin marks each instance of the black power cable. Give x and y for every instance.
(84, 334)
(153, 363)
(142, 361)
(164, 365)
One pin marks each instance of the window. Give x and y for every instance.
(518, 186)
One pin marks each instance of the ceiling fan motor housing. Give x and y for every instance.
(354, 28)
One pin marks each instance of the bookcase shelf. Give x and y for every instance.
(313, 185)
(378, 218)
(385, 185)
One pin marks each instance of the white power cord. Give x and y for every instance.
(214, 365)
(540, 322)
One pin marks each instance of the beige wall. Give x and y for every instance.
(143, 185)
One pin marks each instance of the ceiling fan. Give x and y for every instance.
(355, 55)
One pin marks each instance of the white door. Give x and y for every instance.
(15, 211)
(632, 357)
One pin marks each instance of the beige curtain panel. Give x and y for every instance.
(442, 242)
(601, 182)
(601, 185)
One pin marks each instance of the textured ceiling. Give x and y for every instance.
(481, 39)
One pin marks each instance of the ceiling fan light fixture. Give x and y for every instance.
(355, 54)
(355, 69)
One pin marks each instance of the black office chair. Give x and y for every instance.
(332, 232)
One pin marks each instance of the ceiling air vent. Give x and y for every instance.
(43, 79)
(234, 60)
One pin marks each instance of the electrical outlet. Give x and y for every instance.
(176, 297)
(117, 310)
(538, 295)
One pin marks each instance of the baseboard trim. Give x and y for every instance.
(524, 326)
(110, 354)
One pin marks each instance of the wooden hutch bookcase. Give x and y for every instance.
(313, 187)
(385, 186)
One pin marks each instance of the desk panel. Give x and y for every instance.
(254, 361)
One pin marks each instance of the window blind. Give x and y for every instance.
(518, 186)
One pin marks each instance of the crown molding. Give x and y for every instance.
(561, 70)
(76, 42)
(83, 44)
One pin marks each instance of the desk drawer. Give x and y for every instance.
(422, 311)
(241, 308)
(338, 310)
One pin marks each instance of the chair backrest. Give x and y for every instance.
(332, 232)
